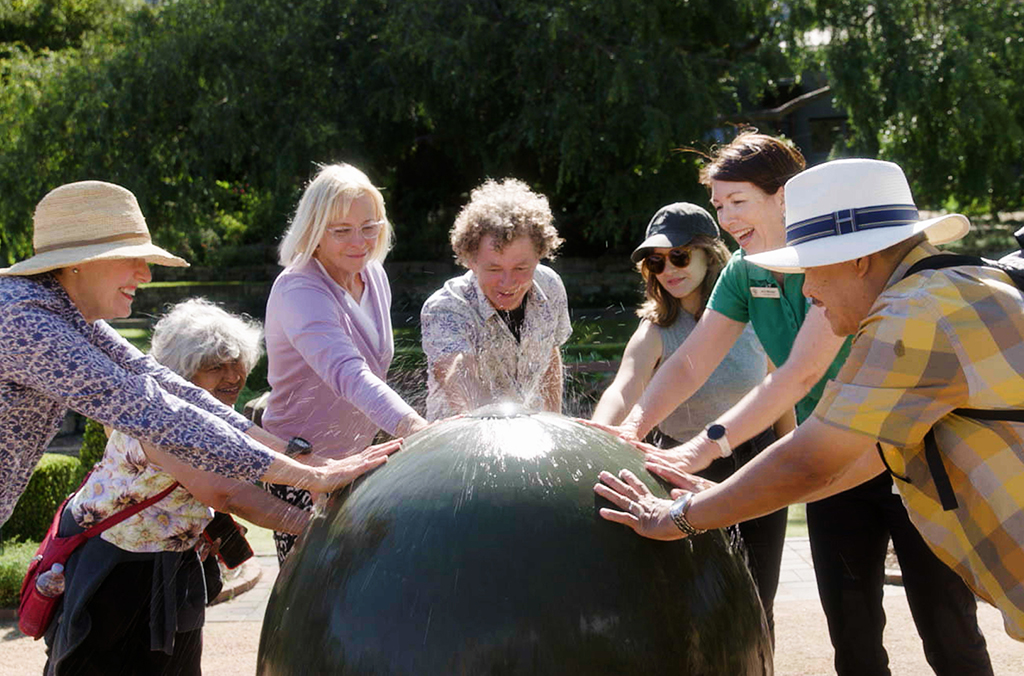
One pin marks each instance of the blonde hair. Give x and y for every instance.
(331, 192)
(504, 210)
(661, 307)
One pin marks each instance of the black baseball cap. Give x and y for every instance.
(675, 225)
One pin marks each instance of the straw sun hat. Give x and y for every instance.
(89, 221)
(845, 209)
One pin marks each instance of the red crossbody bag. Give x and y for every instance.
(35, 611)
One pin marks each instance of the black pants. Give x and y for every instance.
(118, 643)
(765, 537)
(849, 536)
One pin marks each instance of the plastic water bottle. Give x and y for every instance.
(51, 583)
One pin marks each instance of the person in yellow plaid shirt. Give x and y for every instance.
(927, 346)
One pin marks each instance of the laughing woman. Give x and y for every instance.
(57, 352)
(680, 261)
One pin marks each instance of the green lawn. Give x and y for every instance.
(797, 526)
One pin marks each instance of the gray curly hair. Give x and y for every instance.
(505, 210)
(197, 333)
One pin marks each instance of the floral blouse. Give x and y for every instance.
(458, 319)
(125, 477)
(51, 360)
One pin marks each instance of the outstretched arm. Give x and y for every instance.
(815, 461)
(769, 402)
(684, 372)
(638, 361)
(552, 383)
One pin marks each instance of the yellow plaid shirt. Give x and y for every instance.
(938, 341)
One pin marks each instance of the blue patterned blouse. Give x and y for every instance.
(51, 360)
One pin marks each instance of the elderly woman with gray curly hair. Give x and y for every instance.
(147, 565)
(494, 333)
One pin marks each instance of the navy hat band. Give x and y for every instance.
(846, 221)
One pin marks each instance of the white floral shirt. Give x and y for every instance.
(125, 477)
(458, 319)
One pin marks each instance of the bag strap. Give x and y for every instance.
(947, 497)
(115, 519)
(931, 449)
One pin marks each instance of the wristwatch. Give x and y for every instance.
(678, 512)
(716, 433)
(298, 446)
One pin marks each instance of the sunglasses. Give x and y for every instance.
(679, 258)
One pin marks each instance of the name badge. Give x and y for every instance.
(765, 292)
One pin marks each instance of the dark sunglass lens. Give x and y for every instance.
(656, 263)
(680, 259)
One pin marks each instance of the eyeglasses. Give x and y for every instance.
(368, 230)
(679, 258)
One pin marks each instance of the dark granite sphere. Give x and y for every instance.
(478, 550)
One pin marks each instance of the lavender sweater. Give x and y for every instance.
(327, 375)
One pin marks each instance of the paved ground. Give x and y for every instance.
(233, 629)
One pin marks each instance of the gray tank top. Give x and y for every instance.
(743, 367)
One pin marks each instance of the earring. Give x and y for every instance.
(74, 270)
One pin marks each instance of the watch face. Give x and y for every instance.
(716, 432)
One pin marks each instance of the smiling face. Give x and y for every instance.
(682, 283)
(105, 289)
(346, 255)
(224, 380)
(505, 276)
(755, 219)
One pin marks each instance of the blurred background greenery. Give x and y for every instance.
(215, 113)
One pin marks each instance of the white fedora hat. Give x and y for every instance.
(845, 209)
(88, 221)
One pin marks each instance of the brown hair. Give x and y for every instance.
(766, 161)
(504, 209)
(661, 307)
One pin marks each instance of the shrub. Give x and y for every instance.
(13, 564)
(94, 440)
(54, 478)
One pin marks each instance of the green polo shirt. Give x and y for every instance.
(746, 293)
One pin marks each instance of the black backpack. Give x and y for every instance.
(1012, 265)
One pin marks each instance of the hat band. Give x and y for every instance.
(90, 242)
(846, 221)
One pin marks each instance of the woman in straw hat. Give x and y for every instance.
(849, 531)
(680, 261)
(58, 352)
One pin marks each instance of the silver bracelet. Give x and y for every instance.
(678, 512)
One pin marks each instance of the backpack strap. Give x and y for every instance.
(938, 471)
(931, 449)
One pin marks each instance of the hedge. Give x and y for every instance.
(53, 479)
(13, 564)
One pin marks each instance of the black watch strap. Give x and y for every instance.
(298, 446)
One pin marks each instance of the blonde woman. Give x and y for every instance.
(57, 352)
(328, 328)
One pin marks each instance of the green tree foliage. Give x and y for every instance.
(55, 24)
(936, 87)
(586, 100)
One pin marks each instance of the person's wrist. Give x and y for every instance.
(679, 511)
(716, 433)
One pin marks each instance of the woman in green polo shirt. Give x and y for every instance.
(848, 532)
